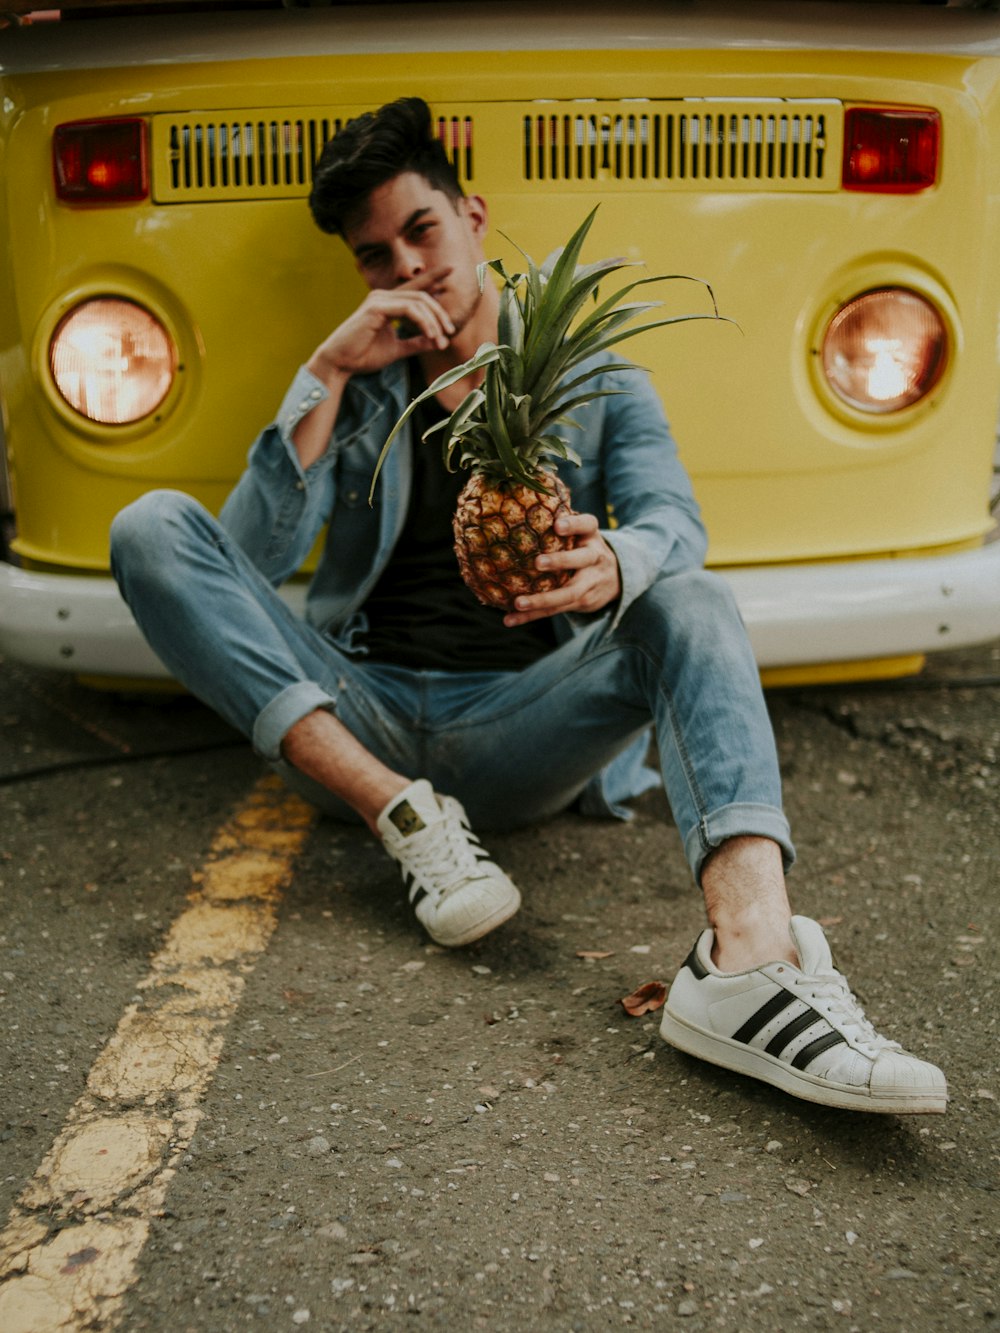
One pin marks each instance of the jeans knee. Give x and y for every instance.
(693, 606)
(146, 533)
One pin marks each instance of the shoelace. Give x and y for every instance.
(443, 856)
(846, 1008)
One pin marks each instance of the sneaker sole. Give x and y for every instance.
(476, 932)
(741, 1059)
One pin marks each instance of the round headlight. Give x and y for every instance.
(112, 361)
(885, 350)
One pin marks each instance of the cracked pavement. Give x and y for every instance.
(483, 1139)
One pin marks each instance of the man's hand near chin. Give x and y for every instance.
(387, 325)
(596, 580)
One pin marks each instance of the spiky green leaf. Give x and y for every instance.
(529, 386)
(485, 356)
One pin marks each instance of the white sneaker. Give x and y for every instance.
(799, 1028)
(457, 892)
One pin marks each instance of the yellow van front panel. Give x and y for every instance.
(247, 285)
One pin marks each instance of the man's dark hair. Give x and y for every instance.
(370, 150)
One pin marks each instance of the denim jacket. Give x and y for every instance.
(629, 477)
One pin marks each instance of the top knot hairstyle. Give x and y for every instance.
(370, 150)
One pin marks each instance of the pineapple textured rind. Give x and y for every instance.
(500, 529)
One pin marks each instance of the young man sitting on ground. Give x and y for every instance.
(404, 703)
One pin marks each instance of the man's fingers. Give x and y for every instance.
(589, 548)
(565, 598)
(413, 313)
(541, 605)
(576, 525)
(576, 557)
(388, 325)
(595, 578)
(424, 281)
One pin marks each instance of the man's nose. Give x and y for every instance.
(408, 263)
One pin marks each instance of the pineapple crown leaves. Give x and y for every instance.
(505, 427)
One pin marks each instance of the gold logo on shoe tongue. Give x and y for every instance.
(406, 819)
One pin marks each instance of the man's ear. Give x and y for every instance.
(477, 214)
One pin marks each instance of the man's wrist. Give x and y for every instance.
(334, 377)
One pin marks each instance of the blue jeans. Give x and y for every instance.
(513, 747)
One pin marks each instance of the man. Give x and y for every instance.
(402, 697)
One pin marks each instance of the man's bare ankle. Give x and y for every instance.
(740, 949)
(320, 746)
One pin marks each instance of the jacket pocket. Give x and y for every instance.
(352, 487)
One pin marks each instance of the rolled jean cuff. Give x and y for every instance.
(738, 821)
(285, 709)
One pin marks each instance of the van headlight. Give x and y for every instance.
(885, 350)
(112, 360)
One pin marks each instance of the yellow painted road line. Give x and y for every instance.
(70, 1250)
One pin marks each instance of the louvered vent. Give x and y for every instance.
(683, 144)
(707, 146)
(262, 156)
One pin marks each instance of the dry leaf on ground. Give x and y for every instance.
(652, 995)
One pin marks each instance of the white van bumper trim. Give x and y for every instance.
(795, 614)
(861, 610)
(79, 623)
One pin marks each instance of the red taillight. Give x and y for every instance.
(894, 150)
(100, 161)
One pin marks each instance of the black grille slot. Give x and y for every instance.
(455, 133)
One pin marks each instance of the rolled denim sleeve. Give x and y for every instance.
(277, 508)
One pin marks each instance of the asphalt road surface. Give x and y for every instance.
(240, 1090)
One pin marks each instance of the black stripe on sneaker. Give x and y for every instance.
(763, 1016)
(694, 963)
(414, 891)
(817, 1047)
(792, 1030)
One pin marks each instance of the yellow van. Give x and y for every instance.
(832, 169)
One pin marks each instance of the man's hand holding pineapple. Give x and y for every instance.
(450, 409)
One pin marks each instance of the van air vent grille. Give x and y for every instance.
(255, 155)
(704, 147)
(667, 145)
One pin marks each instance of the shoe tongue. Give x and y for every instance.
(413, 809)
(814, 951)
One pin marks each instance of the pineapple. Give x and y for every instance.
(507, 430)
(500, 526)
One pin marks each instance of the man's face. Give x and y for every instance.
(412, 229)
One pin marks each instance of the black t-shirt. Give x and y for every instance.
(420, 613)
